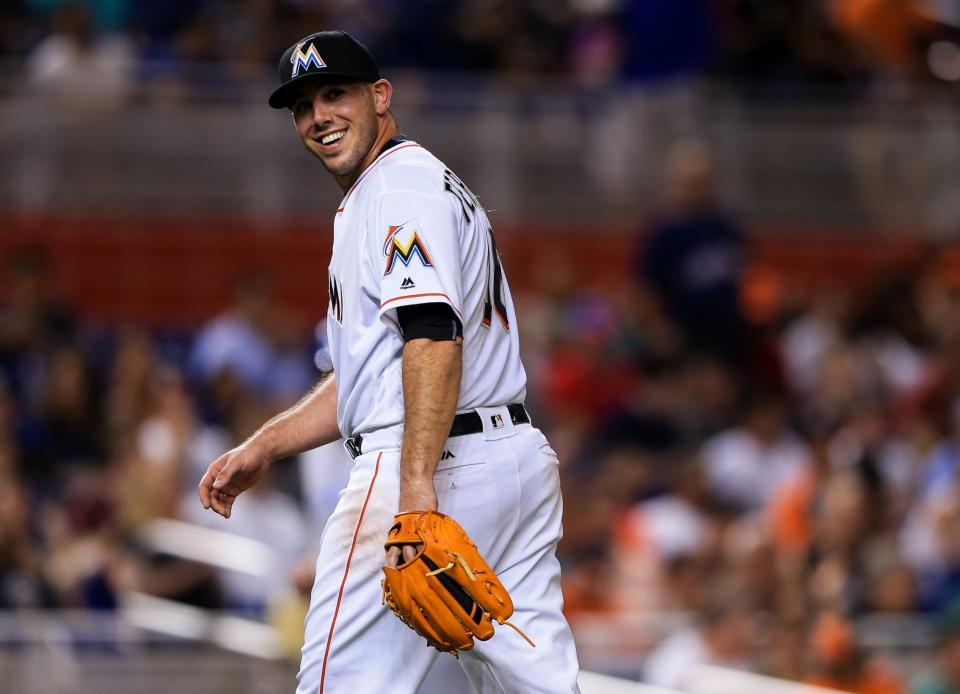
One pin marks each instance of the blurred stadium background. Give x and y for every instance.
(733, 231)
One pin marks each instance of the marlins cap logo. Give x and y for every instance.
(305, 58)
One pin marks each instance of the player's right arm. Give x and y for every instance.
(310, 423)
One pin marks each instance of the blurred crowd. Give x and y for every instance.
(769, 47)
(103, 430)
(779, 474)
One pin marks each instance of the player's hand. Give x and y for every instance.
(408, 553)
(232, 473)
(414, 496)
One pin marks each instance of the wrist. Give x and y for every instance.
(262, 446)
(409, 478)
(417, 494)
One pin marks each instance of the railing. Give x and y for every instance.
(554, 154)
(79, 653)
(709, 679)
(155, 646)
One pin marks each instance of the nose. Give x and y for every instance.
(321, 113)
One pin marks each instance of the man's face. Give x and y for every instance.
(337, 123)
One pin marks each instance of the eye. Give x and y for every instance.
(334, 93)
(300, 106)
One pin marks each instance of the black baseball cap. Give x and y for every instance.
(333, 55)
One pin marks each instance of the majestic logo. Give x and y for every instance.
(336, 298)
(394, 249)
(407, 284)
(305, 58)
(447, 455)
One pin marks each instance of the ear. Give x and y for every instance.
(382, 95)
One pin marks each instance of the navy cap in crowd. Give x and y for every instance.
(330, 55)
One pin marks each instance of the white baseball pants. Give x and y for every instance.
(503, 487)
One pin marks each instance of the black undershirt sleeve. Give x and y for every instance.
(433, 321)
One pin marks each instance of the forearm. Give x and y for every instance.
(431, 387)
(310, 423)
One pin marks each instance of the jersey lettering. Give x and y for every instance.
(494, 298)
(468, 201)
(336, 298)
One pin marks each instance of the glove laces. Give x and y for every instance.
(463, 562)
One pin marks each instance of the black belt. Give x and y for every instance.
(463, 424)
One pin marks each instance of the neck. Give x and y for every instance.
(387, 129)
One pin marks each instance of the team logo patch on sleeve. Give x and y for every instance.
(396, 250)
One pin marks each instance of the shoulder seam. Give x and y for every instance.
(363, 174)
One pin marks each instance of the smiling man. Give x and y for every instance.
(428, 388)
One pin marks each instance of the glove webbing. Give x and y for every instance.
(469, 605)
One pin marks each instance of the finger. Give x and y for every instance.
(205, 488)
(223, 503)
(206, 482)
(392, 555)
(224, 475)
(230, 489)
(410, 553)
(215, 502)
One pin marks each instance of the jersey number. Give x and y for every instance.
(494, 299)
(493, 302)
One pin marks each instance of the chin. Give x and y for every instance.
(339, 170)
(344, 165)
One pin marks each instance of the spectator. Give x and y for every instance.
(841, 664)
(929, 534)
(722, 636)
(76, 67)
(660, 542)
(944, 677)
(745, 464)
(22, 581)
(253, 346)
(693, 257)
(666, 39)
(65, 429)
(893, 33)
(32, 322)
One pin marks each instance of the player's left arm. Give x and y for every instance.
(418, 265)
(431, 385)
(432, 366)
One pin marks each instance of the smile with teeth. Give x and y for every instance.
(330, 138)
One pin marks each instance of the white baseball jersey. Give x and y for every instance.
(410, 232)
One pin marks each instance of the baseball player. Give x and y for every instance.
(427, 387)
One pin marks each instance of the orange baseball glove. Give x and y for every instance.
(447, 593)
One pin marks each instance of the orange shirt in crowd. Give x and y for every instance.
(888, 29)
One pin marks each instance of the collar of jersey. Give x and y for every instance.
(394, 144)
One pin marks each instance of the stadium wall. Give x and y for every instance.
(178, 272)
